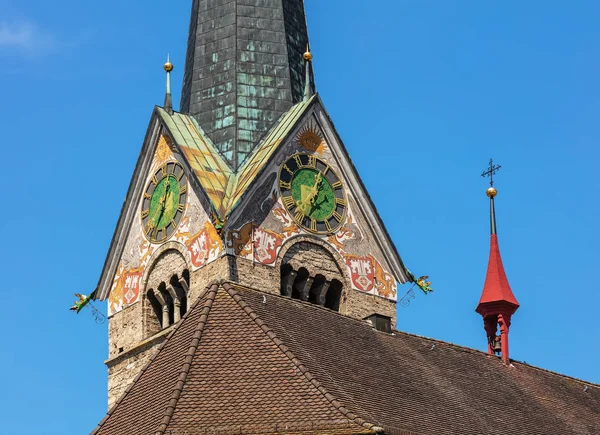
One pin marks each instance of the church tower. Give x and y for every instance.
(252, 286)
(247, 185)
(497, 303)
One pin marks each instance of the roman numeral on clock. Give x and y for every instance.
(288, 170)
(288, 202)
(299, 216)
(298, 161)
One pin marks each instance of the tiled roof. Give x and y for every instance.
(223, 368)
(261, 363)
(224, 186)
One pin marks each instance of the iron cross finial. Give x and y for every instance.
(491, 172)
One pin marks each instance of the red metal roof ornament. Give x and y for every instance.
(497, 303)
(496, 290)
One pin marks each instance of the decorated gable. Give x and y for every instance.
(309, 188)
(299, 182)
(169, 211)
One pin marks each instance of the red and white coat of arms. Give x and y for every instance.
(131, 289)
(362, 271)
(266, 245)
(199, 248)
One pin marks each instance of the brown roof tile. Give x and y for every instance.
(427, 386)
(248, 363)
(222, 369)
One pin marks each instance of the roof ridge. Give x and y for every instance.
(152, 358)
(299, 365)
(187, 363)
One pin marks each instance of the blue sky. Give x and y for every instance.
(422, 92)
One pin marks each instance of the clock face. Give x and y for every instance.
(312, 193)
(164, 202)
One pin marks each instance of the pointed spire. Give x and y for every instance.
(168, 106)
(497, 303)
(307, 82)
(238, 88)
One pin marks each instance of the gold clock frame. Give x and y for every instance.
(182, 204)
(311, 164)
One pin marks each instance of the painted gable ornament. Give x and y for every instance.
(266, 246)
(131, 289)
(362, 272)
(310, 138)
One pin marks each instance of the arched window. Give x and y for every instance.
(166, 301)
(315, 289)
(168, 315)
(179, 295)
(334, 293)
(288, 275)
(154, 322)
(300, 284)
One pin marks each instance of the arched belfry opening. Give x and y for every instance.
(310, 273)
(167, 291)
(333, 296)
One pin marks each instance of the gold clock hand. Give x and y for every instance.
(163, 202)
(309, 199)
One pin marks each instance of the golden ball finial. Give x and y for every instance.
(491, 192)
(308, 55)
(168, 66)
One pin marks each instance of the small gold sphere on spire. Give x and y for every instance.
(168, 66)
(491, 192)
(308, 55)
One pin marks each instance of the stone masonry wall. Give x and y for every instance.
(125, 330)
(168, 264)
(123, 369)
(360, 305)
(314, 258)
(130, 349)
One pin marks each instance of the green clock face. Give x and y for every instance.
(312, 193)
(164, 202)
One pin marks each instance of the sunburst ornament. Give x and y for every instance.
(310, 137)
(163, 150)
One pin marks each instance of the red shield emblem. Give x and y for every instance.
(362, 272)
(199, 248)
(266, 245)
(131, 289)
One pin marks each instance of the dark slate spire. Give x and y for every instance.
(244, 68)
